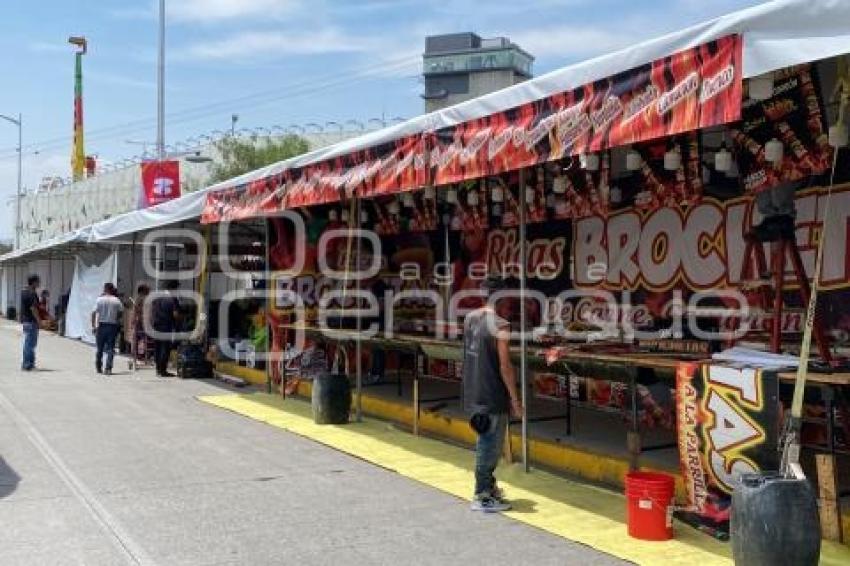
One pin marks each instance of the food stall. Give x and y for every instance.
(632, 210)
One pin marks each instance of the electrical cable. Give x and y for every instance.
(259, 98)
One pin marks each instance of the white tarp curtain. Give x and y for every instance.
(91, 271)
(5, 288)
(776, 34)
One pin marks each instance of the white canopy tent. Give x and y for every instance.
(776, 34)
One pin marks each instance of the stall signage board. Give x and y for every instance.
(702, 247)
(728, 425)
(691, 89)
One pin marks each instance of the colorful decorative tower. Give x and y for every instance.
(78, 152)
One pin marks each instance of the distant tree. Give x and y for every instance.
(240, 155)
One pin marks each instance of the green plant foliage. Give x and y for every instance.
(241, 155)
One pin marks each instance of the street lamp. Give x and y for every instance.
(19, 123)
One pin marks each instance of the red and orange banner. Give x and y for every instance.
(691, 89)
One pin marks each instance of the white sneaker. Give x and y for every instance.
(489, 504)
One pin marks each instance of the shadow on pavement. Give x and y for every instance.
(8, 479)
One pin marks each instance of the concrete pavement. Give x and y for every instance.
(131, 469)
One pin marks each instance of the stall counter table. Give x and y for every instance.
(618, 367)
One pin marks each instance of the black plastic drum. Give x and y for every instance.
(774, 522)
(331, 399)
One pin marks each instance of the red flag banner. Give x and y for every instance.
(160, 182)
(691, 89)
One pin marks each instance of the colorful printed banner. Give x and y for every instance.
(728, 425)
(794, 116)
(160, 182)
(692, 89)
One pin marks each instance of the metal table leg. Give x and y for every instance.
(416, 394)
(633, 436)
(398, 373)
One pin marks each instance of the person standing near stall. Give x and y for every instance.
(136, 327)
(30, 321)
(165, 314)
(105, 320)
(489, 393)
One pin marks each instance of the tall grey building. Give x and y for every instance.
(461, 66)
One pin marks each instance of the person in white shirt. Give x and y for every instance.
(105, 320)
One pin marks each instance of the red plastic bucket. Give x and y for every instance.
(649, 499)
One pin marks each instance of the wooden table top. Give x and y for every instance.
(668, 362)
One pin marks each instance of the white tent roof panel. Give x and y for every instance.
(776, 34)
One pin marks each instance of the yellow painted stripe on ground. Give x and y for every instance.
(576, 511)
(579, 462)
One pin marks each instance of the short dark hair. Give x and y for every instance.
(493, 283)
(143, 289)
(33, 279)
(110, 288)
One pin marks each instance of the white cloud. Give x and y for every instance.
(48, 47)
(223, 10)
(262, 44)
(119, 80)
(207, 11)
(567, 42)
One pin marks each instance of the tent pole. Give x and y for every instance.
(269, 332)
(358, 351)
(523, 373)
(130, 291)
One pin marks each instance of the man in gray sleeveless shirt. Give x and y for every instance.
(489, 393)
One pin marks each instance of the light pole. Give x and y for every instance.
(160, 86)
(20, 124)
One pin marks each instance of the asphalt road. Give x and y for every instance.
(134, 470)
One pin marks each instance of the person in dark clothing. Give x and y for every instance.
(30, 321)
(165, 314)
(489, 392)
(378, 355)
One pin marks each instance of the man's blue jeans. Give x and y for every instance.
(488, 448)
(30, 342)
(105, 339)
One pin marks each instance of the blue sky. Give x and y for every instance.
(269, 61)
